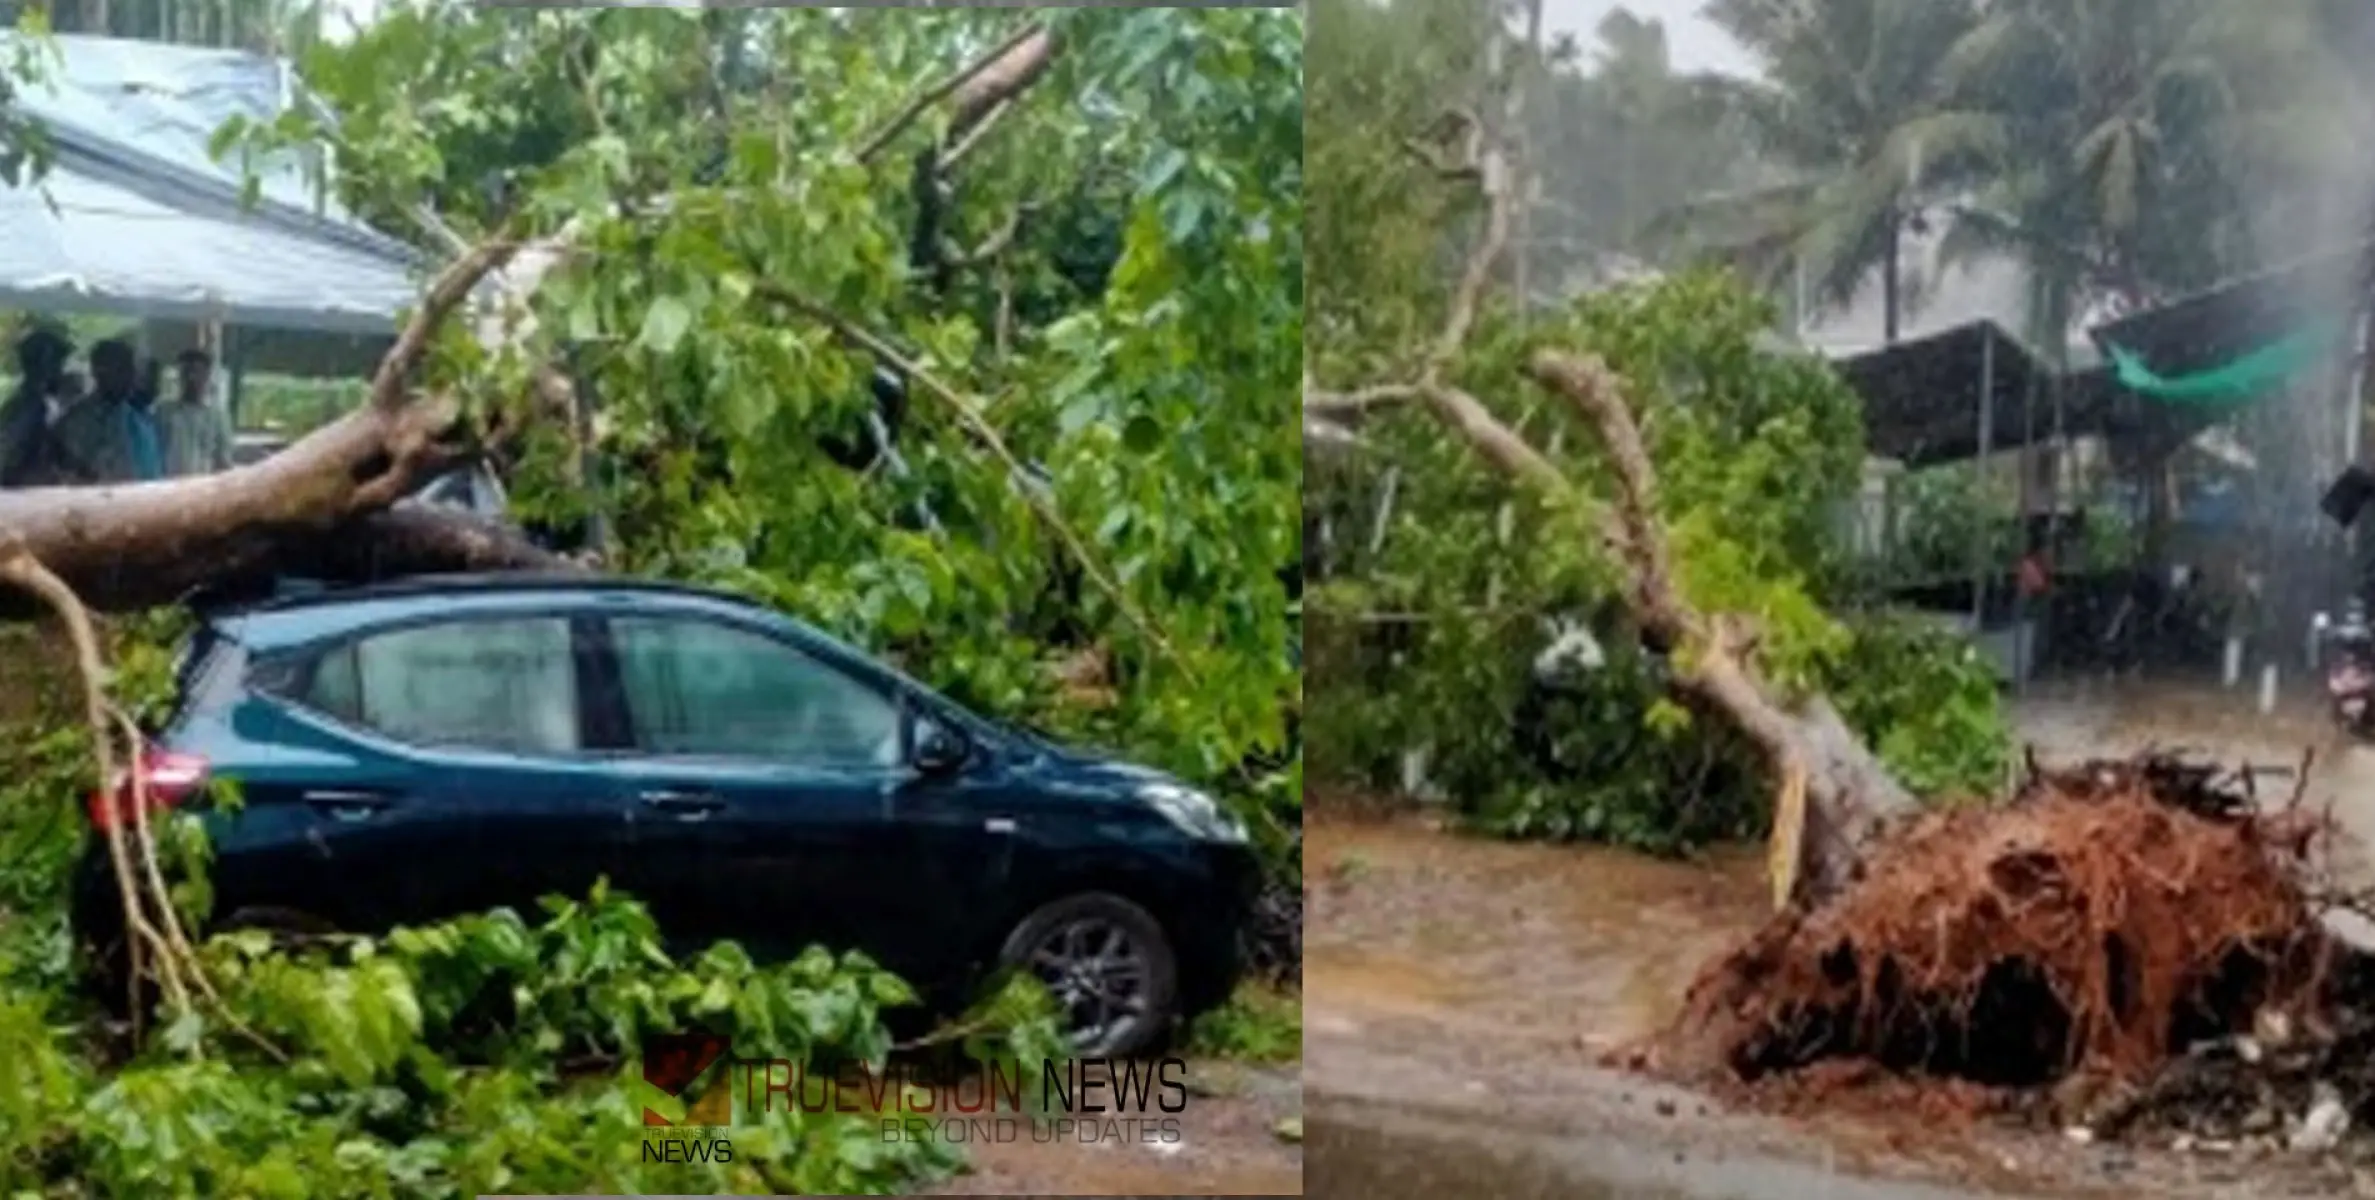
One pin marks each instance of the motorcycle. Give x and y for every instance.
(2350, 669)
(2350, 663)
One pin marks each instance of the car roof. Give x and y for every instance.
(302, 613)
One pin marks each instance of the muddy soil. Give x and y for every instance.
(1461, 993)
(1228, 1145)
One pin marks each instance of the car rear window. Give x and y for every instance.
(498, 683)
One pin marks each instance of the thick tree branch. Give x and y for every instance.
(1477, 274)
(979, 86)
(1812, 752)
(1591, 388)
(1499, 444)
(1847, 790)
(1338, 405)
(136, 545)
(447, 292)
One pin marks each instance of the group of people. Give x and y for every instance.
(119, 429)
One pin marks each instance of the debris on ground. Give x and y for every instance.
(2123, 944)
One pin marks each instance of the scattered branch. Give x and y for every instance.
(997, 243)
(145, 946)
(1449, 145)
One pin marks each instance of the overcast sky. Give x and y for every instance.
(1697, 45)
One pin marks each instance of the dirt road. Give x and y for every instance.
(1460, 993)
(1227, 1145)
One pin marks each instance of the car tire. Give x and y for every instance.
(1088, 949)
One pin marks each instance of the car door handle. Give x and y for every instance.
(347, 805)
(998, 825)
(689, 806)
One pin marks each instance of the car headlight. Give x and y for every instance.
(1194, 813)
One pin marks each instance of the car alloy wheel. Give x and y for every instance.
(1107, 965)
(1098, 974)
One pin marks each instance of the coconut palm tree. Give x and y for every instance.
(1849, 109)
(2144, 144)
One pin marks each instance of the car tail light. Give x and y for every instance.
(169, 778)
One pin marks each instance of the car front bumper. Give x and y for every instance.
(1211, 942)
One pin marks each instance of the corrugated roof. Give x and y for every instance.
(136, 217)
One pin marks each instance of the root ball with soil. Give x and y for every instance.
(2105, 923)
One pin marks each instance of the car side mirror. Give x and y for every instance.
(938, 749)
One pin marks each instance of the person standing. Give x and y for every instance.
(111, 436)
(197, 437)
(72, 387)
(25, 450)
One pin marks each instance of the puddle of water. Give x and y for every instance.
(1580, 944)
(1381, 982)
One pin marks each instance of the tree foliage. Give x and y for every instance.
(1425, 631)
(1110, 277)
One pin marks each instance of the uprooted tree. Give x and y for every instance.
(2090, 929)
(1827, 779)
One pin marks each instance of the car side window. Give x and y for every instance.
(708, 689)
(505, 684)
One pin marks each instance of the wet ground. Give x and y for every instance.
(1461, 992)
(1227, 1144)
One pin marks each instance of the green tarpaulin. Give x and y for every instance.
(2237, 382)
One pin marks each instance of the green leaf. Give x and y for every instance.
(1165, 168)
(665, 324)
(1141, 435)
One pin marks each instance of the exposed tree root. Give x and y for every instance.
(2087, 939)
(152, 932)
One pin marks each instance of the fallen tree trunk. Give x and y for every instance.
(323, 502)
(321, 507)
(1832, 792)
(1848, 791)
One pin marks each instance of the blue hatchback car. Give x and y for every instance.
(413, 751)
